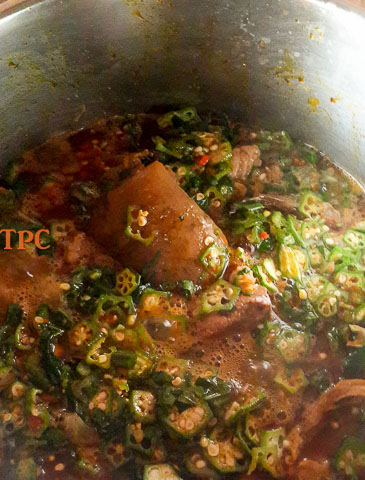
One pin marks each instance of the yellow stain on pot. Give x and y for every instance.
(313, 103)
(288, 70)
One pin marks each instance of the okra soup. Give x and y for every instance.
(181, 297)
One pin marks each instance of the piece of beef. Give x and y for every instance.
(181, 229)
(244, 157)
(272, 201)
(249, 312)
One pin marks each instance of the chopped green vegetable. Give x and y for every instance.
(142, 405)
(354, 239)
(127, 282)
(293, 381)
(310, 205)
(135, 231)
(252, 398)
(189, 422)
(221, 295)
(185, 115)
(350, 458)
(264, 279)
(327, 305)
(215, 259)
(267, 455)
(97, 356)
(223, 453)
(289, 264)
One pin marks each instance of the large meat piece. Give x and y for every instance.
(177, 229)
(249, 312)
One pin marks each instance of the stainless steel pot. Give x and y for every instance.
(293, 64)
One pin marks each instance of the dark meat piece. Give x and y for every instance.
(271, 201)
(331, 216)
(182, 230)
(250, 311)
(77, 431)
(244, 157)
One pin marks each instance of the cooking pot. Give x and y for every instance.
(293, 64)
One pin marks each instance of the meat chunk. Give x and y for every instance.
(250, 311)
(77, 431)
(244, 157)
(331, 216)
(284, 203)
(179, 229)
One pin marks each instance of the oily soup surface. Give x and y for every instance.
(196, 309)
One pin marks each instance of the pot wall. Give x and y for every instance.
(293, 64)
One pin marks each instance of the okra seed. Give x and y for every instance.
(119, 336)
(213, 148)
(142, 221)
(65, 286)
(213, 450)
(103, 359)
(198, 149)
(204, 442)
(189, 425)
(200, 464)
(216, 203)
(39, 320)
(283, 344)
(51, 458)
(176, 382)
(322, 356)
(330, 241)
(17, 390)
(182, 423)
(199, 196)
(59, 467)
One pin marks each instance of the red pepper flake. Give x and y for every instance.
(203, 160)
(34, 423)
(58, 350)
(264, 236)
